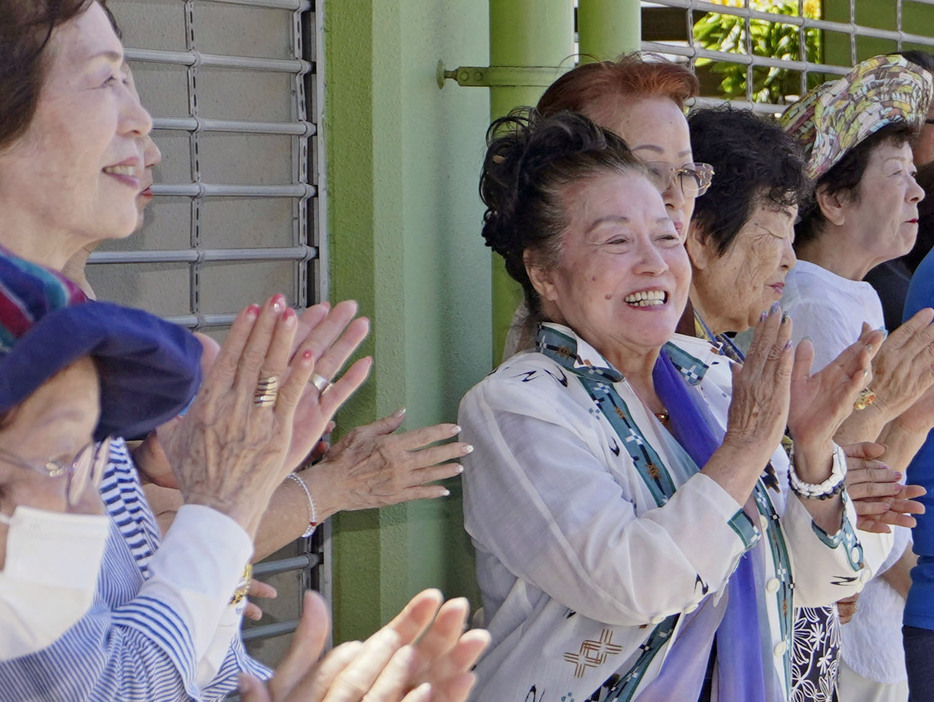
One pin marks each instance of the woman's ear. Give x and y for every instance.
(832, 206)
(700, 247)
(541, 277)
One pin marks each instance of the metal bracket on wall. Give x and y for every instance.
(501, 76)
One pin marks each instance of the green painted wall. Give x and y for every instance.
(404, 220)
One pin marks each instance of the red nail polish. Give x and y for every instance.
(307, 355)
(252, 311)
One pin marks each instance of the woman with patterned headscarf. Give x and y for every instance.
(856, 133)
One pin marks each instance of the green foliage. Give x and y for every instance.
(727, 33)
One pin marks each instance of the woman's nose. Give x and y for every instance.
(135, 120)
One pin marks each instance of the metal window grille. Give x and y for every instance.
(235, 90)
(792, 45)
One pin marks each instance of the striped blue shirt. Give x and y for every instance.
(130, 646)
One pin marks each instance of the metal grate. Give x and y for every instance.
(235, 90)
(815, 41)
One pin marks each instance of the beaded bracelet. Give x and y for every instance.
(826, 489)
(312, 512)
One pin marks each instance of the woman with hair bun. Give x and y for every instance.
(627, 546)
(641, 98)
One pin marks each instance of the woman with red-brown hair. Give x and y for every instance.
(642, 99)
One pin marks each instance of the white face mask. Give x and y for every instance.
(50, 576)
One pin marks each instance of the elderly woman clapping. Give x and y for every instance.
(53, 531)
(740, 244)
(616, 498)
(856, 132)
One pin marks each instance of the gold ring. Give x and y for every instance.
(320, 382)
(267, 389)
(865, 398)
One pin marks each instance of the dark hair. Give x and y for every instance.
(843, 179)
(529, 159)
(25, 29)
(631, 75)
(919, 58)
(754, 162)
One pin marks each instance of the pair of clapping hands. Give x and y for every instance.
(229, 453)
(423, 654)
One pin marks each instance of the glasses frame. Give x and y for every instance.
(701, 172)
(86, 468)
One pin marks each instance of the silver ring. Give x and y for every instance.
(320, 382)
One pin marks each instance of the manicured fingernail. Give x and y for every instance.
(445, 493)
(278, 303)
(774, 308)
(399, 412)
(252, 311)
(289, 318)
(307, 356)
(467, 449)
(455, 429)
(460, 469)
(898, 474)
(787, 344)
(865, 372)
(763, 316)
(785, 317)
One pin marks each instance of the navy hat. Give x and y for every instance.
(149, 369)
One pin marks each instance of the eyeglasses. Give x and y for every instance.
(86, 469)
(693, 179)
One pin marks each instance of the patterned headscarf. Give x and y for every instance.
(149, 369)
(839, 114)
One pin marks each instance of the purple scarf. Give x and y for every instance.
(740, 668)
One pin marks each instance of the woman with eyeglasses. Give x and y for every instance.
(56, 417)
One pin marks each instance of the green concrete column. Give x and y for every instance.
(608, 28)
(522, 33)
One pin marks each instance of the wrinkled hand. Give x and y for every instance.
(821, 402)
(878, 496)
(847, 608)
(761, 388)
(258, 589)
(227, 452)
(904, 367)
(374, 467)
(387, 667)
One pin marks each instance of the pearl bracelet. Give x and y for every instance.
(826, 489)
(312, 512)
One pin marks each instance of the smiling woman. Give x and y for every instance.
(70, 157)
(617, 479)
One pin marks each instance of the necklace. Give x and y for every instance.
(662, 416)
